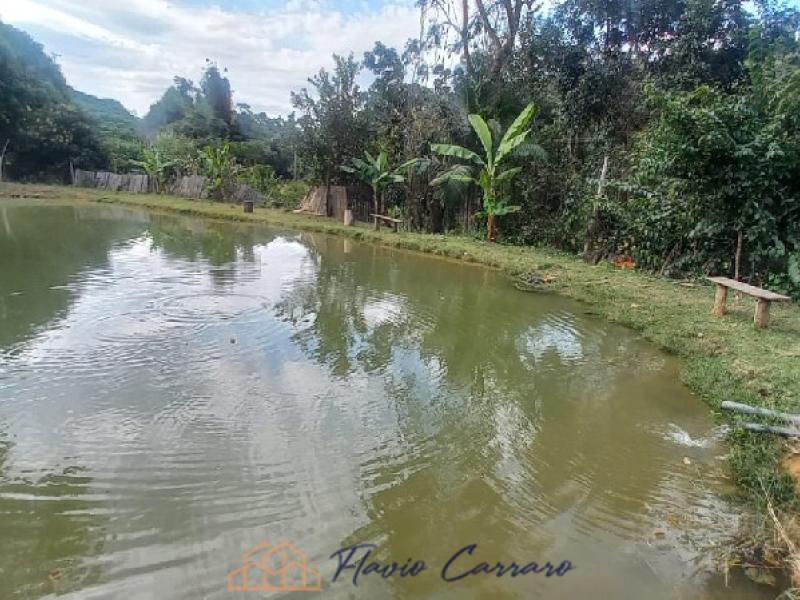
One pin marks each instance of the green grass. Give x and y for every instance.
(722, 358)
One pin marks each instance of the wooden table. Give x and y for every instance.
(388, 220)
(763, 298)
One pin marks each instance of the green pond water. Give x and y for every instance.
(174, 392)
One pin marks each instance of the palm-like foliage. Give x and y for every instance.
(492, 175)
(220, 168)
(375, 172)
(155, 166)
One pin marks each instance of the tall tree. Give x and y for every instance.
(332, 125)
(216, 90)
(491, 26)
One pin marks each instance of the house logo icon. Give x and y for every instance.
(278, 568)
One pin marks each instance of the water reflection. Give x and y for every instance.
(224, 385)
(48, 524)
(42, 255)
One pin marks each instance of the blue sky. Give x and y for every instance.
(131, 49)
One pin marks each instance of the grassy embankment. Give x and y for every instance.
(722, 358)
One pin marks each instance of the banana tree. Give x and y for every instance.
(491, 176)
(155, 167)
(220, 169)
(376, 173)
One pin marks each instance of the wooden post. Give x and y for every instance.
(248, 206)
(738, 258)
(3, 158)
(593, 225)
(761, 318)
(720, 300)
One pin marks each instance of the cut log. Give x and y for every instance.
(761, 317)
(720, 299)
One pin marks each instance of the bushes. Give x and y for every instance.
(278, 192)
(713, 167)
(288, 194)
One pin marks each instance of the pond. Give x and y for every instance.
(174, 392)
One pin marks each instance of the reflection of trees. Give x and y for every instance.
(45, 247)
(509, 408)
(47, 527)
(223, 245)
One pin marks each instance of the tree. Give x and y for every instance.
(45, 129)
(174, 104)
(216, 90)
(376, 173)
(116, 128)
(220, 169)
(495, 21)
(332, 127)
(155, 166)
(492, 177)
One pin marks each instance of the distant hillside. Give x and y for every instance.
(51, 127)
(118, 129)
(104, 109)
(45, 129)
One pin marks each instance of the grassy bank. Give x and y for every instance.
(722, 358)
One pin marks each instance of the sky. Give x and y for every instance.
(130, 50)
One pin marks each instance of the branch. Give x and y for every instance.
(489, 29)
(465, 34)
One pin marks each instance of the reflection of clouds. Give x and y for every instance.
(556, 336)
(207, 412)
(387, 309)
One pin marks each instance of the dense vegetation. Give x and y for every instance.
(48, 128)
(42, 129)
(667, 132)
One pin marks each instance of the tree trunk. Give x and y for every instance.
(465, 35)
(3, 158)
(376, 201)
(594, 224)
(437, 217)
(491, 228)
(738, 258)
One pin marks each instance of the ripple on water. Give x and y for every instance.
(213, 308)
(425, 406)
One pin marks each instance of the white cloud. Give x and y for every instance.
(131, 50)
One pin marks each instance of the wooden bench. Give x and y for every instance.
(388, 220)
(763, 298)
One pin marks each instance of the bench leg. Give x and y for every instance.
(761, 318)
(720, 300)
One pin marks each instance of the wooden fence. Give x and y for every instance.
(135, 183)
(188, 186)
